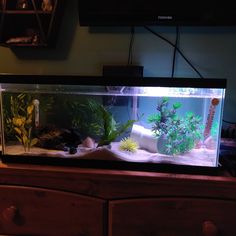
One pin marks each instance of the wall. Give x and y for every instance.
(81, 50)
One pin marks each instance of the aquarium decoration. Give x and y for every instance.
(36, 113)
(22, 4)
(88, 143)
(144, 138)
(128, 144)
(176, 135)
(51, 137)
(210, 117)
(211, 127)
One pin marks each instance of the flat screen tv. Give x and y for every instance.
(155, 12)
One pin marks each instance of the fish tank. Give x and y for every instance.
(111, 122)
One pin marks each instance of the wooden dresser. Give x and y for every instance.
(47, 200)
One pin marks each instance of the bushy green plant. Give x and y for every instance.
(91, 118)
(178, 134)
(82, 116)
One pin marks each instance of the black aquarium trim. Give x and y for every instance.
(70, 80)
(113, 81)
(113, 165)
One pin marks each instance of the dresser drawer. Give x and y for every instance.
(172, 217)
(38, 211)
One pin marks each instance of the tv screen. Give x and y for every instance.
(154, 12)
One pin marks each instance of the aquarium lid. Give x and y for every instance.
(112, 81)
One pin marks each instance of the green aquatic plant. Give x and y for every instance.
(82, 116)
(129, 145)
(92, 119)
(105, 125)
(176, 135)
(21, 119)
(164, 118)
(183, 136)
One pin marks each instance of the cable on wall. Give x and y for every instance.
(177, 49)
(229, 122)
(131, 43)
(174, 55)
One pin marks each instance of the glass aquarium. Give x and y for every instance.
(81, 119)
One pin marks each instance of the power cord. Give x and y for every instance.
(174, 56)
(177, 49)
(229, 122)
(131, 43)
(228, 130)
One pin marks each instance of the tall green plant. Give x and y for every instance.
(21, 118)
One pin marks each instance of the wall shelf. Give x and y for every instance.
(33, 25)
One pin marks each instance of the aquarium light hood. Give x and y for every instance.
(118, 86)
(119, 90)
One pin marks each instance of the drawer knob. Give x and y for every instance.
(209, 228)
(9, 214)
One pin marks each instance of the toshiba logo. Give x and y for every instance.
(165, 17)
